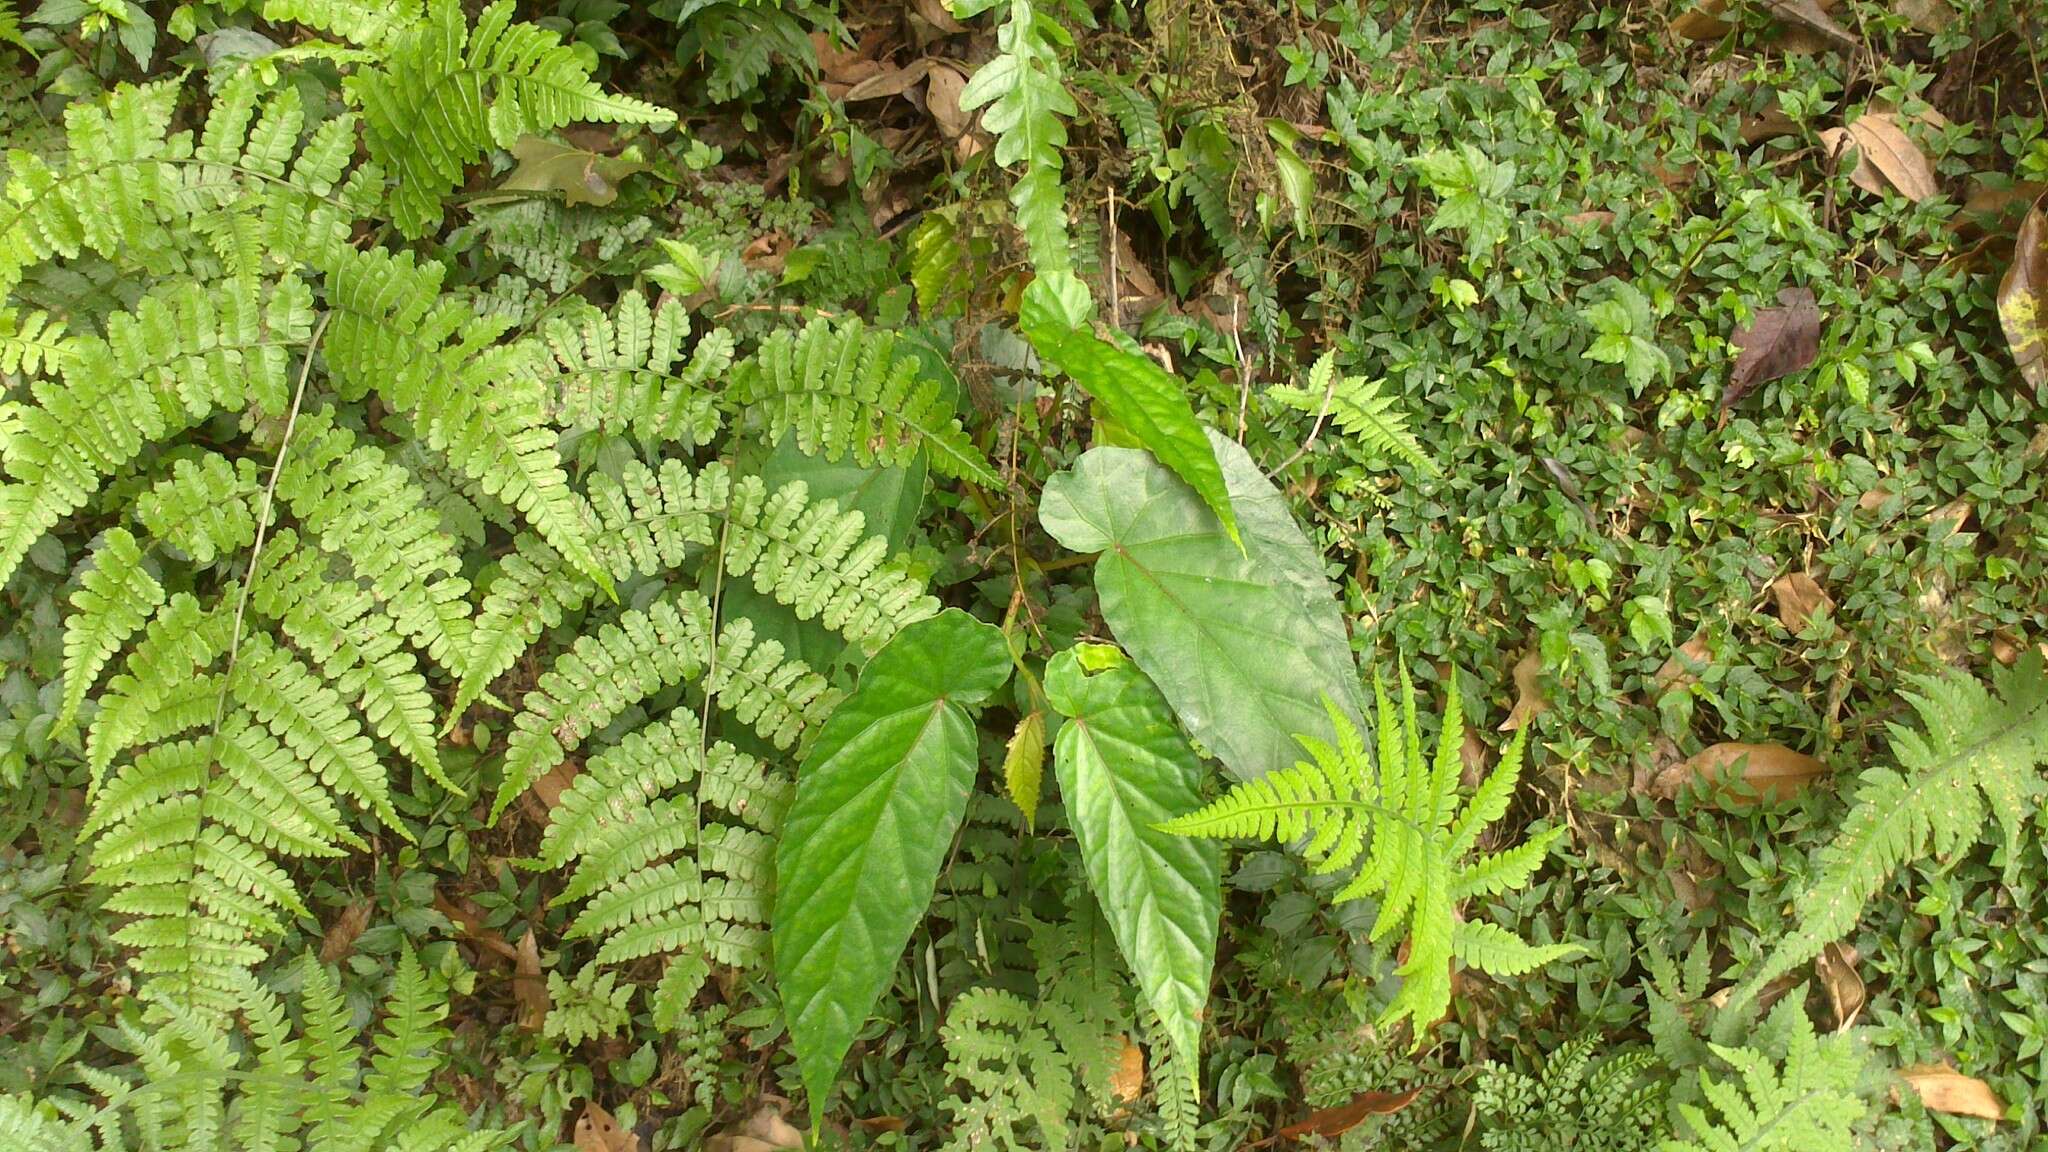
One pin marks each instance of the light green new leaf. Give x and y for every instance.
(1242, 643)
(1124, 769)
(877, 802)
(1144, 398)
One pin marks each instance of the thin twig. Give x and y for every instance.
(1244, 371)
(1116, 284)
(1314, 430)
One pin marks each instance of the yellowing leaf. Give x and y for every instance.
(1024, 766)
(1127, 1079)
(2023, 300)
(1772, 770)
(1943, 1089)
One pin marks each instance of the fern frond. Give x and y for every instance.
(1357, 406)
(113, 600)
(1013, 1069)
(1404, 807)
(369, 23)
(204, 507)
(1028, 106)
(809, 556)
(185, 351)
(1809, 1102)
(1978, 757)
(847, 390)
(625, 372)
(445, 92)
(30, 345)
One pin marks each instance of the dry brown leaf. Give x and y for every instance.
(1943, 1089)
(881, 1124)
(942, 99)
(1929, 16)
(1127, 1079)
(597, 1131)
(340, 938)
(843, 66)
(767, 1130)
(1799, 598)
(936, 14)
(1772, 771)
(1529, 700)
(1836, 968)
(1996, 209)
(2023, 300)
(1344, 1117)
(1780, 341)
(1599, 218)
(1884, 155)
(1704, 22)
(1954, 515)
(529, 990)
(1769, 123)
(472, 926)
(1685, 665)
(890, 81)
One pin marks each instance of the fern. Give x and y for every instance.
(1403, 805)
(1014, 1071)
(1206, 180)
(809, 556)
(1356, 405)
(203, 509)
(592, 1006)
(1806, 1105)
(844, 390)
(624, 373)
(113, 600)
(1578, 1101)
(664, 872)
(1028, 106)
(1976, 758)
(445, 92)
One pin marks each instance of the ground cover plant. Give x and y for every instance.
(966, 575)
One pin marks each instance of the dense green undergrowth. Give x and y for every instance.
(989, 575)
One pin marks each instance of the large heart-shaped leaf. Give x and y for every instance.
(1243, 644)
(877, 802)
(1145, 399)
(1124, 769)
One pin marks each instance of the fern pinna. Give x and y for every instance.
(1394, 816)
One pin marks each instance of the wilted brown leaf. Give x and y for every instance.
(1127, 1079)
(1799, 597)
(529, 990)
(1780, 341)
(942, 99)
(1943, 1089)
(1704, 21)
(1836, 968)
(1344, 1117)
(1773, 771)
(2023, 300)
(936, 14)
(890, 81)
(1996, 209)
(597, 1131)
(765, 1131)
(465, 918)
(340, 938)
(1929, 16)
(1529, 700)
(1885, 155)
(1684, 666)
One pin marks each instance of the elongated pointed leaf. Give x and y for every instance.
(1144, 398)
(1124, 769)
(877, 802)
(1243, 644)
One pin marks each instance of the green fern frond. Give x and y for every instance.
(113, 600)
(444, 92)
(1978, 757)
(1810, 1102)
(1392, 817)
(369, 23)
(1013, 1069)
(809, 556)
(1028, 106)
(625, 372)
(30, 345)
(1357, 406)
(204, 508)
(847, 390)
(1206, 181)
(185, 351)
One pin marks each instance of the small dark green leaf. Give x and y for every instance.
(877, 802)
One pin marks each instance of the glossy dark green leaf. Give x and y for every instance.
(1146, 400)
(1124, 769)
(878, 799)
(1243, 644)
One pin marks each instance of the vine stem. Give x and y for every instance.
(263, 518)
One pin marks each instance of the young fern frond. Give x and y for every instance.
(1394, 816)
(1979, 756)
(1810, 1102)
(1028, 107)
(625, 372)
(444, 92)
(809, 556)
(643, 651)
(1358, 407)
(847, 390)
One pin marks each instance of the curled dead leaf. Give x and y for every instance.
(1780, 341)
(1772, 771)
(529, 990)
(1836, 967)
(2023, 300)
(1800, 597)
(1529, 700)
(598, 1131)
(1348, 1115)
(1943, 1089)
